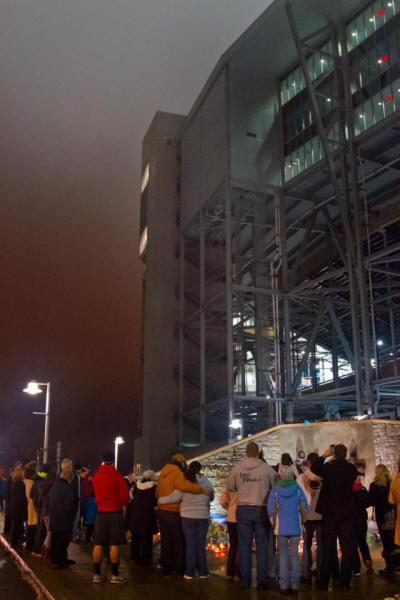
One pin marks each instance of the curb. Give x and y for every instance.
(39, 588)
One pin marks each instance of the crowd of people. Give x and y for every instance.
(323, 499)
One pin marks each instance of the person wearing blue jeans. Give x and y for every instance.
(252, 479)
(195, 517)
(252, 524)
(289, 566)
(288, 503)
(195, 532)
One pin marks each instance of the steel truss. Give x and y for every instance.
(268, 272)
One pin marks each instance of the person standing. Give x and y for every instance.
(111, 497)
(228, 501)
(195, 516)
(61, 518)
(18, 507)
(7, 496)
(311, 486)
(385, 515)
(362, 501)
(32, 519)
(172, 478)
(252, 479)
(394, 498)
(141, 518)
(44, 491)
(337, 507)
(287, 509)
(67, 465)
(90, 517)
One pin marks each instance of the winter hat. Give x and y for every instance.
(149, 475)
(178, 458)
(108, 456)
(285, 471)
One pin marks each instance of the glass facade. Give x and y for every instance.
(378, 107)
(370, 20)
(317, 65)
(373, 39)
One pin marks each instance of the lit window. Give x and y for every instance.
(145, 178)
(143, 242)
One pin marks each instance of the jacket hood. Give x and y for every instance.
(249, 464)
(168, 470)
(145, 485)
(289, 490)
(107, 470)
(284, 483)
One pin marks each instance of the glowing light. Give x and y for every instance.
(32, 388)
(380, 343)
(236, 424)
(389, 97)
(119, 440)
(362, 116)
(329, 99)
(380, 13)
(371, 20)
(354, 34)
(145, 178)
(379, 103)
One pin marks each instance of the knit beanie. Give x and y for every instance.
(285, 471)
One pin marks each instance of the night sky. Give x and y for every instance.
(80, 81)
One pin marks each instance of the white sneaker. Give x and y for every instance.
(118, 579)
(97, 578)
(188, 577)
(205, 576)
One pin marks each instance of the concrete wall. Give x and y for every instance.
(368, 443)
(204, 150)
(160, 306)
(255, 131)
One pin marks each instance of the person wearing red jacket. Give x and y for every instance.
(111, 496)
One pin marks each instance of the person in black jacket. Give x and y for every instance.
(7, 497)
(141, 519)
(18, 507)
(61, 518)
(337, 507)
(362, 502)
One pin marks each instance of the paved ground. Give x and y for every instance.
(12, 586)
(148, 584)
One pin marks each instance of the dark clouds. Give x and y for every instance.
(80, 82)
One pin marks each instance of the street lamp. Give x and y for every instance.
(33, 388)
(117, 442)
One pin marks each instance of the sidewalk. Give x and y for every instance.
(148, 584)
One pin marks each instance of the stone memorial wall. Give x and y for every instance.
(369, 442)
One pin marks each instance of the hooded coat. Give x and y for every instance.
(110, 489)
(172, 478)
(288, 501)
(140, 518)
(252, 479)
(18, 501)
(61, 507)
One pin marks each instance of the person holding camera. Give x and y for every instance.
(337, 506)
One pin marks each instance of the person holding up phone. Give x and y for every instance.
(337, 506)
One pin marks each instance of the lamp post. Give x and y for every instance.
(33, 388)
(117, 442)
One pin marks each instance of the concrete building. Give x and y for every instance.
(272, 289)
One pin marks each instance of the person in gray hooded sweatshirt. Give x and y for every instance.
(252, 479)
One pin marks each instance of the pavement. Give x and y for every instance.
(12, 585)
(148, 583)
